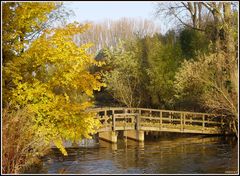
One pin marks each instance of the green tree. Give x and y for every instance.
(123, 78)
(161, 59)
(193, 42)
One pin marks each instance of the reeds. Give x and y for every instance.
(20, 144)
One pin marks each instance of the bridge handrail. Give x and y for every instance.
(155, 110)
(144, 118)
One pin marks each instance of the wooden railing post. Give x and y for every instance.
(105, 115)
(160, 119)
(137, 121)
(139, 118)
(203, 122)
(125, 112)
(181, 121)
(113, 122)
(170, 117)
(184, 117)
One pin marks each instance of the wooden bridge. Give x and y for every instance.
(135, 121)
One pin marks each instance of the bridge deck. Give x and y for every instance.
(114, 119)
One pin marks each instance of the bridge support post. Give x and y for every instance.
(137, 135)
(109, 136)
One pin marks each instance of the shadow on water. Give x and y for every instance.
(164, 154)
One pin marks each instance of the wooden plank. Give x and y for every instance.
(149, 118)
(187, 112)
(191, 121)
(159, 118)
(167, 119)
(127, 114)
(212, 122)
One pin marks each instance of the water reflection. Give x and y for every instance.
(105, 144)
(163, 156)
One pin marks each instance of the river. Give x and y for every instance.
(175, 155)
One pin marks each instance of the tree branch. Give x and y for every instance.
(195, 28)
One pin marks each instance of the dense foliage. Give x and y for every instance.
(191, 68)
(46, 79)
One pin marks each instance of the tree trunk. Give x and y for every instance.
(200, 15)
(228, 37)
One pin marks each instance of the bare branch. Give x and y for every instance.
(195, 28)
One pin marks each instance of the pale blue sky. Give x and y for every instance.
(98, 11)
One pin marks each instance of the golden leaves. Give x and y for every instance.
(21, 20)
(51, 77)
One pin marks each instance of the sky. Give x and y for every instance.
(99, 11)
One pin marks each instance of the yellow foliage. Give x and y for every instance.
(51, 76)
(59, 144)
(21, 19)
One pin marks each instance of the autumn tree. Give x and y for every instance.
(46, 78)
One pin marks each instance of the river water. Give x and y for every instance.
(177, 155)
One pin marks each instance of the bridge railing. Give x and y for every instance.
(142, 118)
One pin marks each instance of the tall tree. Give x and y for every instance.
(48, 78)
(190, 14)
(163, 55)
(123, 78)
(109, 32)
(212, 77)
